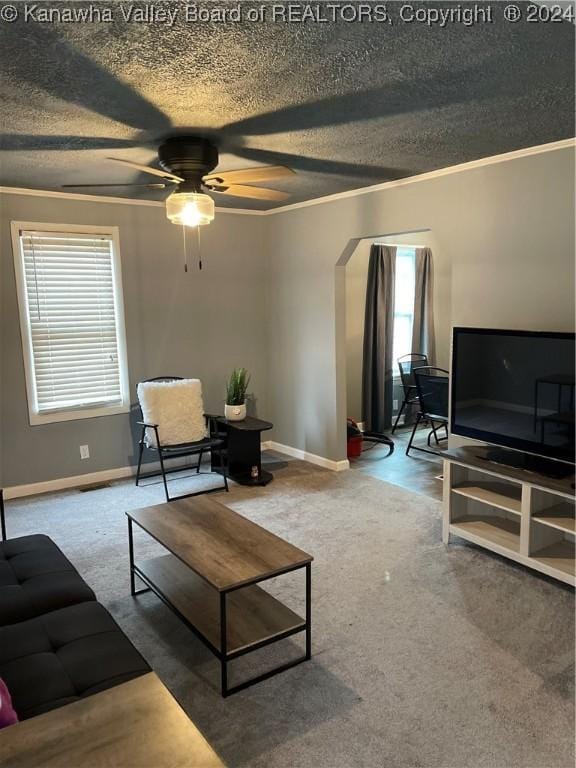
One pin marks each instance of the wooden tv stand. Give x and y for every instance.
(521, 515)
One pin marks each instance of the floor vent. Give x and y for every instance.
(93, 487)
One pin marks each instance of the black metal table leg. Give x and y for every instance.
(131, 554)
(309, 611)
(2, 515)
(225, 657)
(133, 568)
(223, 646)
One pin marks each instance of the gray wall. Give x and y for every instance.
(507, 229)
(356, 277)
(198, 324)
(272, 298)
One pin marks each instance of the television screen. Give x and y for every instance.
(515, 389)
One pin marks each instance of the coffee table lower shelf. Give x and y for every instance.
(230, 623)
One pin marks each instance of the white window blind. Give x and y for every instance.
(74, 322)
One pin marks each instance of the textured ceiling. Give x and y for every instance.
(344, 104)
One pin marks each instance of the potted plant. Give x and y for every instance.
(235, 408)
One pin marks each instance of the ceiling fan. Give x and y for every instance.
(187, 165)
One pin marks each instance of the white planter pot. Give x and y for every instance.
(235, 412)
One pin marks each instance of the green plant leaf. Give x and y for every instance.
(237, 386)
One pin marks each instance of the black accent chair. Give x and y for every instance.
(432, 390)
(407, 364)
(215, 441)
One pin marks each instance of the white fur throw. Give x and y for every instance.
(176, 407)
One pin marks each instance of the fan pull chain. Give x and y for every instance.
(185, 251)
(199, 251)
(184, 245)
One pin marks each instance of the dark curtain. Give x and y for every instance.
(377, 364)
(423, 339)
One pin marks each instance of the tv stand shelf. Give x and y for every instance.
(522, 515)
(495, 494)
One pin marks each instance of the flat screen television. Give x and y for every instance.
(515, 389)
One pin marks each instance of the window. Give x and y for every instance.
(72, 321)
(404, 288)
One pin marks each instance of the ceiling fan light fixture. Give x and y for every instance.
(191, 209)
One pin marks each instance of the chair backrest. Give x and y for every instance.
(432, 389)
(176, 406)
(407, 364)
(164, 378)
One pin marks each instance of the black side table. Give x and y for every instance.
(243, 450)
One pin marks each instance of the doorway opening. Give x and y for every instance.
(416, 473)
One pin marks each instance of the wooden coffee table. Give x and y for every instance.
(211, 576)
(134, 724)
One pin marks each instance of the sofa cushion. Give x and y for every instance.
(36, 577)
(65, 655)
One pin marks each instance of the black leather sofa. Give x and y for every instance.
(57, 644)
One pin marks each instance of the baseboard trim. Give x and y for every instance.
(78, 481)
(312, 458)
(119, 473)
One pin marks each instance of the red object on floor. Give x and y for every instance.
(354, 446)
(354, 439)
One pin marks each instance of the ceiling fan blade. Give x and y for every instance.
(82, 186)
(334, 110)
(147, 169)
(256, 193)
(40, 55)
(14, 142)
(476, 82)
(319, 165)
(247, 175)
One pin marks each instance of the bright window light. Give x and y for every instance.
(404, 288)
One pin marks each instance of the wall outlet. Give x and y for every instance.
(84, 452)
(395, 404)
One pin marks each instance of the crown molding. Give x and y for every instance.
(452, 169)
(76, 196)
(448, 171)
(106, 199)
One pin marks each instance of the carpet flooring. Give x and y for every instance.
(423, 656)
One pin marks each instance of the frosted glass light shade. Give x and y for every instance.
(190, 208)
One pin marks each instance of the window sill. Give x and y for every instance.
(77, 414)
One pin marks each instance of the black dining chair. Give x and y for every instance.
(407, 364)
(432, 391)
